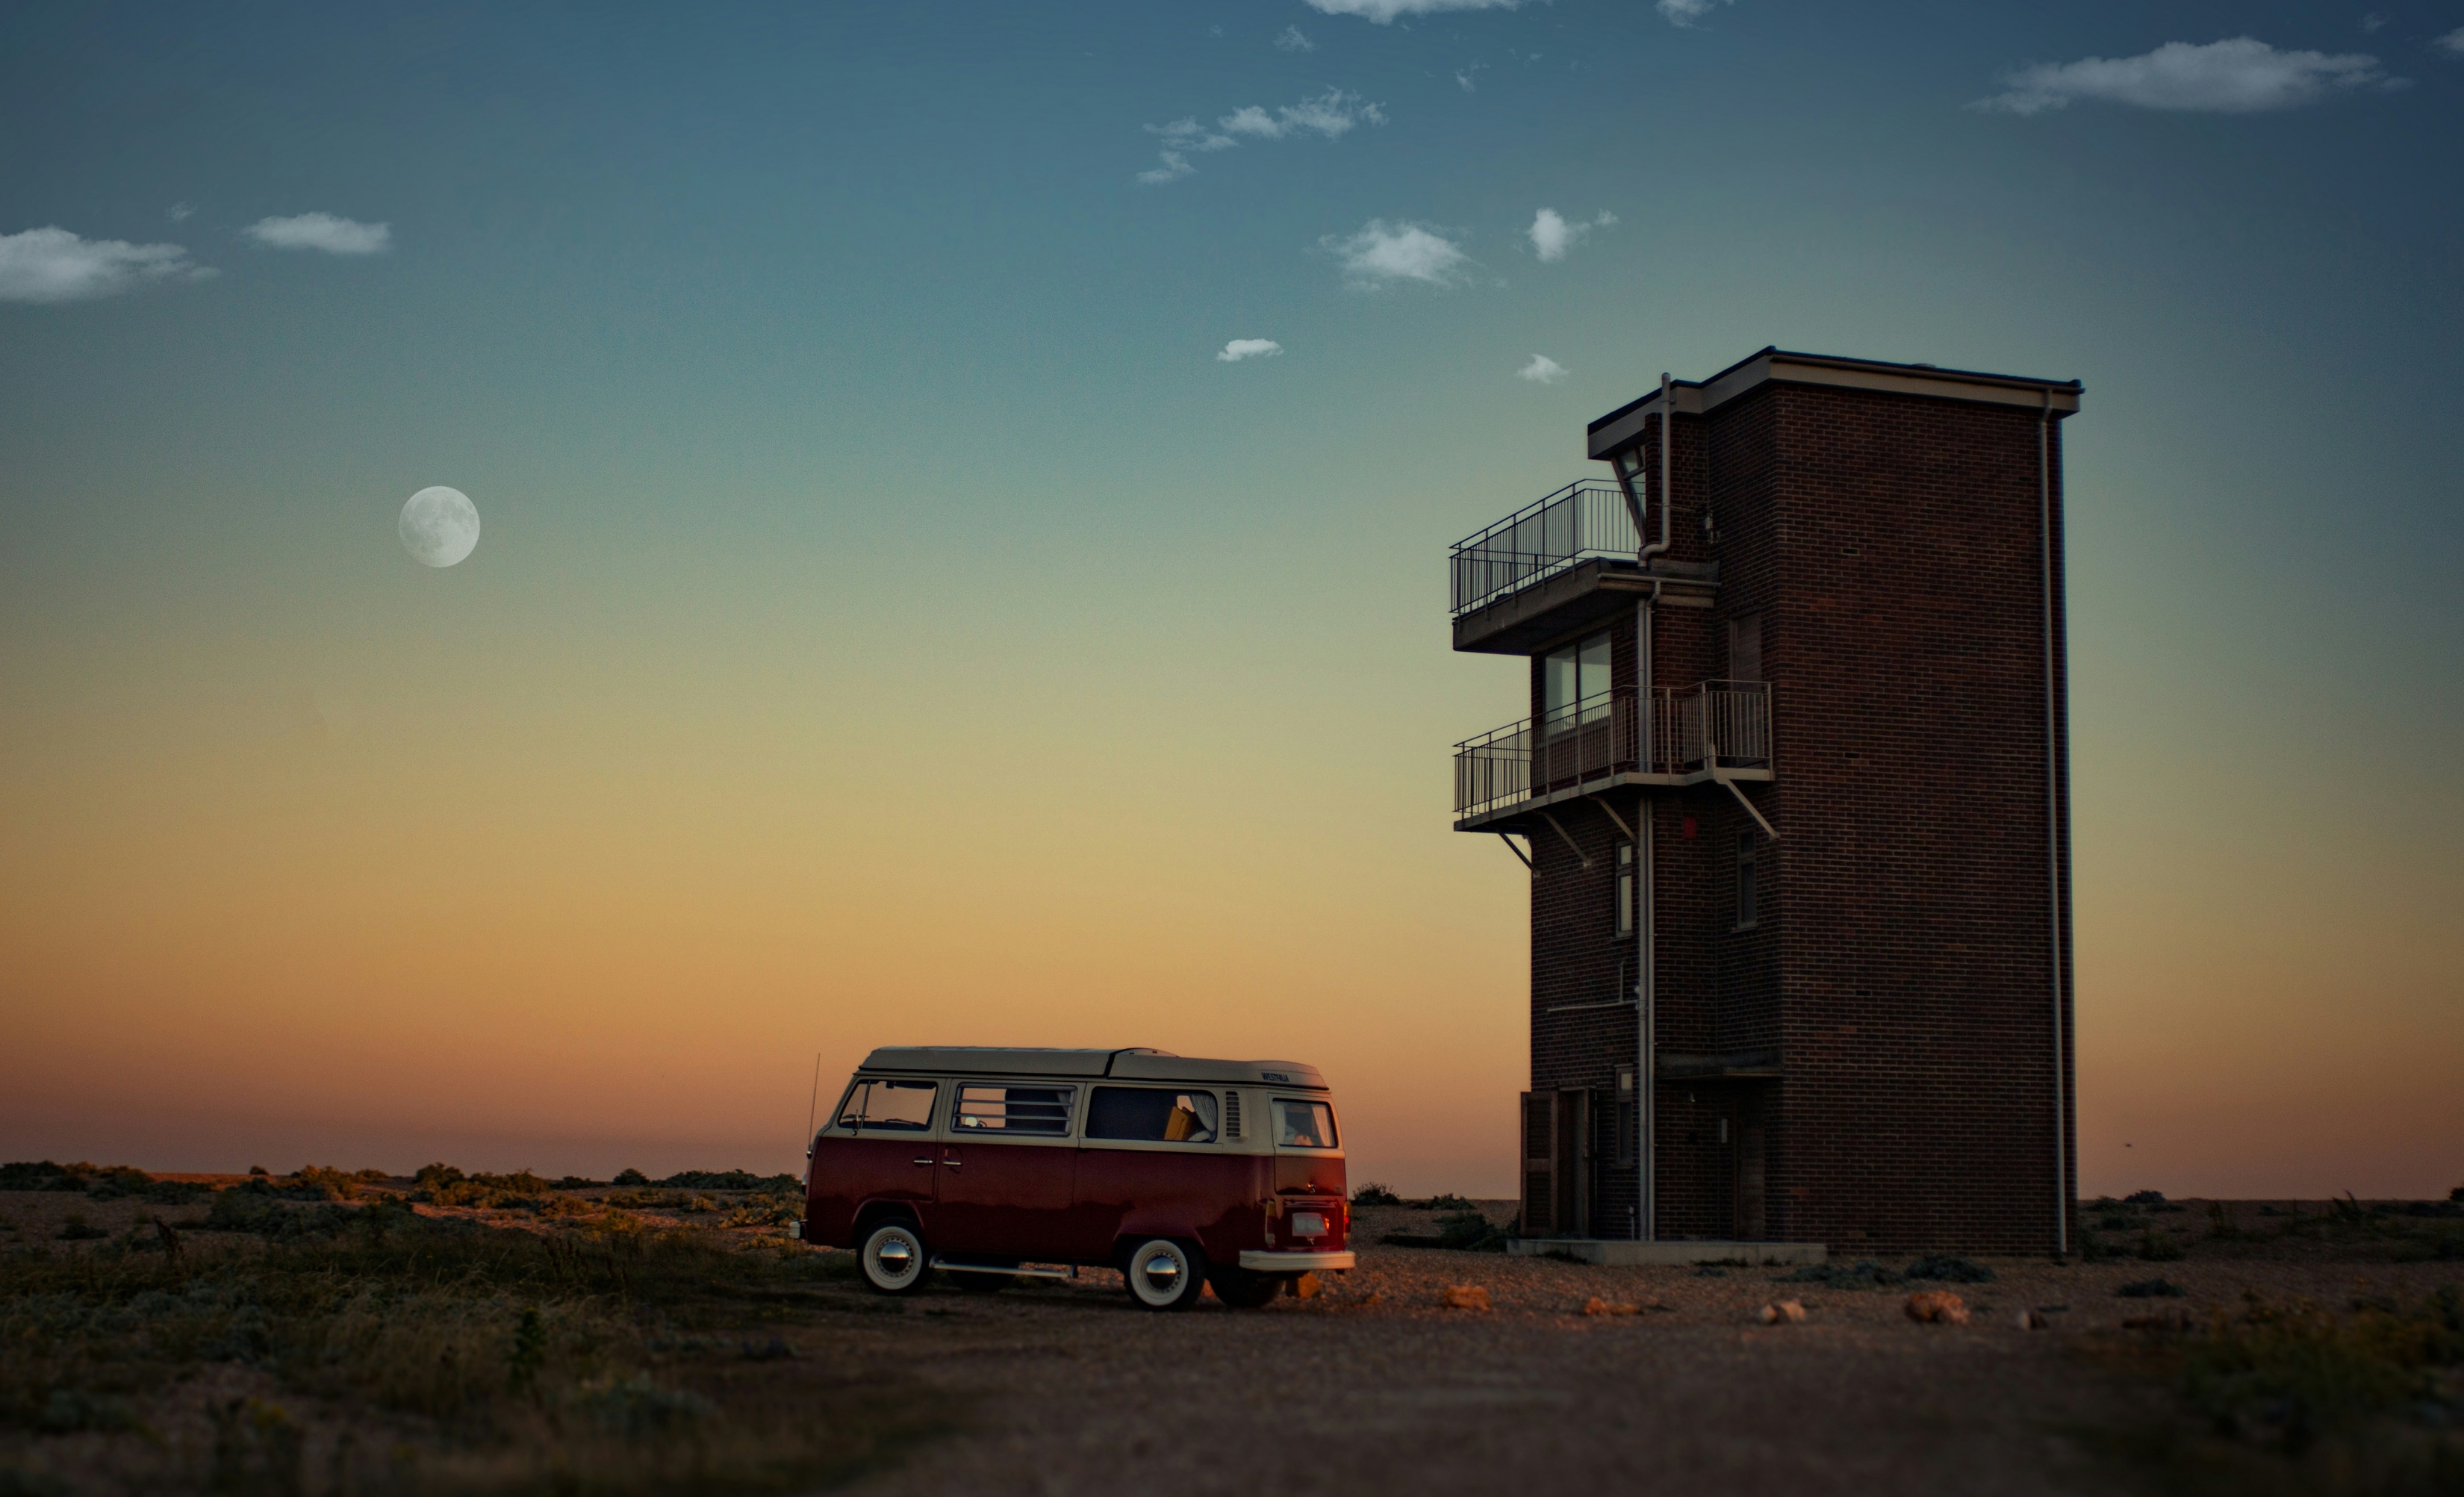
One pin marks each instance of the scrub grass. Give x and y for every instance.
(311, 1348)
(2287, 1396)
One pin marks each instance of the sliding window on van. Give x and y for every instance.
(1014, 1112)
(1303, 1125)
(1151, 1114)
(897, 1107)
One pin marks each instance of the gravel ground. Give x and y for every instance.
(1374, 1385)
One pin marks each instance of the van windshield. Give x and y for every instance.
(1152, 1114)
(899, 1106)
(1303, 1125)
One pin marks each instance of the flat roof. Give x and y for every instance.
(1135, 1064)
(1623, 427)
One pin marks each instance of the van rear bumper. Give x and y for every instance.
(1257, 1261)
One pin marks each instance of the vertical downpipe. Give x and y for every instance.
(1646, 994)
(2053, 827)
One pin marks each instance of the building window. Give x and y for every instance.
(1574, 684)
(1746, 648)
(1626, 1117)
(1625, 889)
(1745, 879)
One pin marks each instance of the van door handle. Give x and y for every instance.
(927, 1160)
(954, 1163)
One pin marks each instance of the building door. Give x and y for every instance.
(1539, 1152)
(1574, 1163)
(1557, 1163)
(1746, 1183)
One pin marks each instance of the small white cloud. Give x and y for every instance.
(1174, 166)
(1541, 370)
(1241, 349)
(1687, 12)
(51, 264)
(1552, 235)
(1384, 12)
(1333, 114)
(1382, 254)
(180, 211)
(1469, 78)
(2452, 41)
(321, 232)
(2372, 22)
(1291, 38)
(1188, 135)
(2236, 76)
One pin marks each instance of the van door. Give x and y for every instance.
(1007, 1164)
(879, 1148)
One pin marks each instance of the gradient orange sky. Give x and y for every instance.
(894, 624)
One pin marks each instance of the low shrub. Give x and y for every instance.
(1864, 1274)
(1950, 1269)
(2151, 1289)
(730, 1180)
(1469, 1230)
(630, 1177)
(2286, 1374)
(2156, 1247)
(2144, 1198)
(1374, 1195)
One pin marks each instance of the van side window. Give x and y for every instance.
(1303, 1125)
(1152, 1114)
(1015, 1111)
(903, 1107)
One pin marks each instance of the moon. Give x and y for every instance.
(440, 527)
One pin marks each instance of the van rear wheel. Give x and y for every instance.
(1242, 1289)
(1164, 1274)
(895, 1259)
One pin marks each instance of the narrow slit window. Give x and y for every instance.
(1746, 648)
(1625, 889)
(1745, 879)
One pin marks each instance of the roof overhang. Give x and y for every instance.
(1623, 427)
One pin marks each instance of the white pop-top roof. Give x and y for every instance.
(1134, 1065)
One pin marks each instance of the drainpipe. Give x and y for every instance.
(2052, 827)
(1646, 992)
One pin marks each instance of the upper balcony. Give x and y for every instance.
(1555, 565)
(1714, 731)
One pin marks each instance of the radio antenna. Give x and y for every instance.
(812, 1109)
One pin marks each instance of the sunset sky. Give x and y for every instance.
(965, 494)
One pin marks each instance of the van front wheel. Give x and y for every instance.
(1164, 1274)
(895, 1259)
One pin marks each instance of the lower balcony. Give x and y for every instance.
(1714, 731)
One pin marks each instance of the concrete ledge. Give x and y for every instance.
(1618, 1252)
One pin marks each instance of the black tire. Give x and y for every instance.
(1241, 1289)
(894, 1258)
(1164, 1273)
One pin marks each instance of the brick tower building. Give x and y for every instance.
(1794, 798)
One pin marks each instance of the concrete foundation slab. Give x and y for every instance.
(1618, 1252)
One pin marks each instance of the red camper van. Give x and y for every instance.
(993, 1164)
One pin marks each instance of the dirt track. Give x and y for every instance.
(1069, 1388)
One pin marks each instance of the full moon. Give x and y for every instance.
(440, 527)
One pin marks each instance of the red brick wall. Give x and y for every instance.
(1899, 957)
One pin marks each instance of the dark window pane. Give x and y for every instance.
(1151, 1114)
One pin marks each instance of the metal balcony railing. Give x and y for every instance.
(1727, 724)
(1580, 521)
